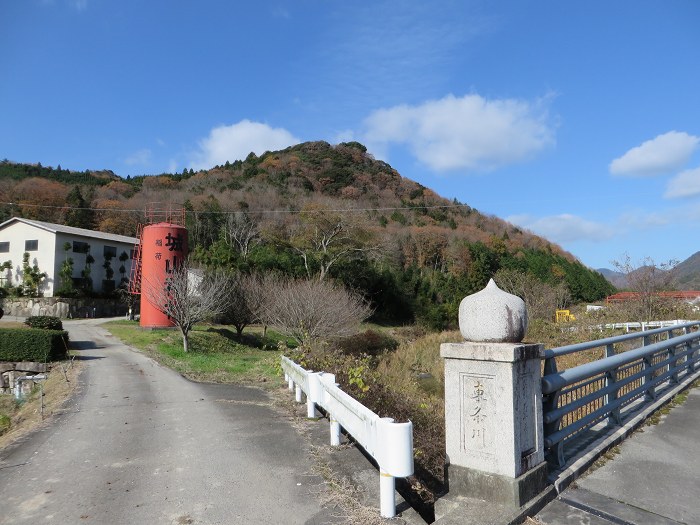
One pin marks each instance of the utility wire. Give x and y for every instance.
(197, 212)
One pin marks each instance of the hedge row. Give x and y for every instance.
(29, 344)
(46, 322)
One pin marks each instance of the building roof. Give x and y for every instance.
(70, 230)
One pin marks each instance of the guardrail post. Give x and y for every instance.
(609, 350)
(387, 495)
(673, 364)
(313, 395)
(650, 393)
(334, 424)
(493, 403)
(693, 356)
(297, 393)
(610, 380)
(550, 402)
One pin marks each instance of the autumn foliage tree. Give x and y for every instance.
(324, 237)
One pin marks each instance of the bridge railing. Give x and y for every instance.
(389, 443)
(583, 396)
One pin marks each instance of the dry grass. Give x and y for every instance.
(60, 385)
(12, 324)
(402, 368)
(337, 491)
(341, 494)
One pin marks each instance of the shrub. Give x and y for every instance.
(369, 342)
(21, 344)
(45, 322)
(313, 310)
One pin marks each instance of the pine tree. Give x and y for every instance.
(79, 215)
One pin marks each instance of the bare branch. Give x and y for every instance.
(188, 296)
(311, 309)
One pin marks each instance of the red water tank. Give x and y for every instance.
(164, 248)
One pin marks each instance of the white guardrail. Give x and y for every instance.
(389, 443)
(644, 325)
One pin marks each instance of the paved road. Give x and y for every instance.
(141, 445)
(655, 480)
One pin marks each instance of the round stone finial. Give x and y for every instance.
(493, 316)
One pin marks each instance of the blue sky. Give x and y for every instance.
(577, 120)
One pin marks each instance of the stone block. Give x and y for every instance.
(31, 366)
(61, 310)
(505, 490)
(492, 407)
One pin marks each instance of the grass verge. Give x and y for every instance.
(18, 418)
(217, 354)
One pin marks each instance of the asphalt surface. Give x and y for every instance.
(139, 444)
(655, 479)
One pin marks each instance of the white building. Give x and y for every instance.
(46, 245)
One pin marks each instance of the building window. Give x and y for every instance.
(132, 254)
(80, 247)
(110, 251)
(4, 247)
(31, 246)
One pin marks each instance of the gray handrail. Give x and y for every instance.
(582, 396)
(579, 347)
(559, 380)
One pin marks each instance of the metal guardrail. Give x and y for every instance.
(582, 396)
(643, 325)
(389, 443)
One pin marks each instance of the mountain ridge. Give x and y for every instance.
(433, 249)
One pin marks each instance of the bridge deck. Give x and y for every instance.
(653, 479)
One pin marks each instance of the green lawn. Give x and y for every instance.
(216, 354)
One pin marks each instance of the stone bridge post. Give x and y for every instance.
(493, 410)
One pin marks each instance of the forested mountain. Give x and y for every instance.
(314, 210)
(687, 273)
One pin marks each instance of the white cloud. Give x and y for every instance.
(234, 142)
(564, 228)
(139, 158)
(281, 12)
(662, 154)
(639, 221)
(346, 135)
(685, 184)
(469, 133)
(79, 5)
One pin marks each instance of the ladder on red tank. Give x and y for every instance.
(154, 213)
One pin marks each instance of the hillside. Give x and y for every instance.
(688, 273)
(617, 279)
(314, 209)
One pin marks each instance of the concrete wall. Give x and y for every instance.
(62, 307)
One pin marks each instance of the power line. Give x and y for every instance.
(260, 211)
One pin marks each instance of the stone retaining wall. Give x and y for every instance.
(65, 308)
(9, 372)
